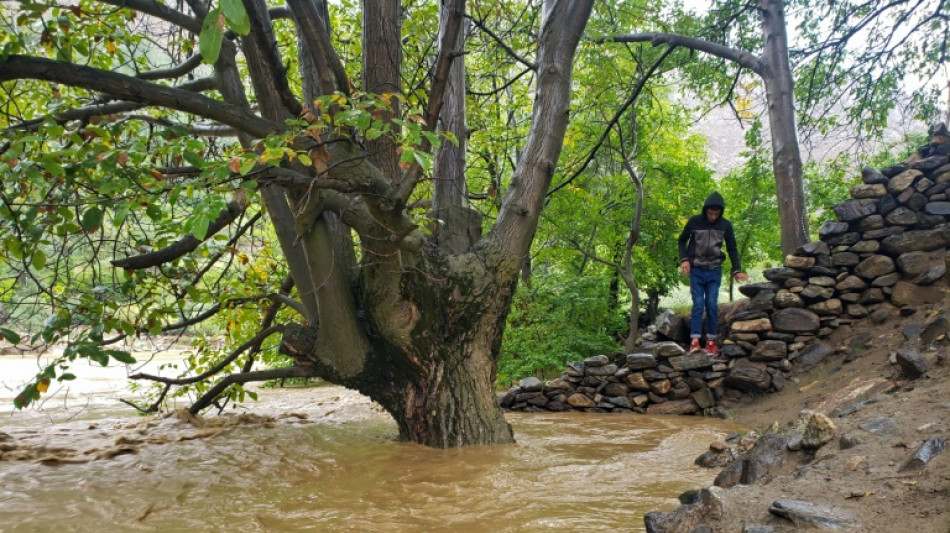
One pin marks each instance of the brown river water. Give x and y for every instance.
(324, 458)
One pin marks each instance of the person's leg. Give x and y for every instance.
(697, 291)
(711, 298)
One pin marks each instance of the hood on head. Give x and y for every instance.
(715, 200)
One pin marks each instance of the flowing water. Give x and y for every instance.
(325, 459)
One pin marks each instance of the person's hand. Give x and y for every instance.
(684, 268)
(741, 276)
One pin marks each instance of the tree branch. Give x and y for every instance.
(135, 90)
(261, 375)
(501, 43)
(741, 57)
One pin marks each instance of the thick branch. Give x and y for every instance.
(182, 246)
(740, 57)
(135, 90)
(247, 377)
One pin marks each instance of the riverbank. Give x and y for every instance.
(863, 478)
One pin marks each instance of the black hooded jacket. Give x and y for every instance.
(701, 242)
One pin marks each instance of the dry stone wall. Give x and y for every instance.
(881, 255)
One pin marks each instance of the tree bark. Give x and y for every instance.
(786, 155)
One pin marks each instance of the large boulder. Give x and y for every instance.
(923, 267)
(917, 241)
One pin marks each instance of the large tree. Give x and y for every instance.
(108, 121)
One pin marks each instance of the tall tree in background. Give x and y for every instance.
(107, 150)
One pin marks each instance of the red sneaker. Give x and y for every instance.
(694, 345)
(712, 348)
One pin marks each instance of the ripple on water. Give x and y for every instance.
(338, 467)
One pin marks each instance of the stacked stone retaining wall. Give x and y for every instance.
(882, 254)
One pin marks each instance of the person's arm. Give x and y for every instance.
(682, 245)
(733, 251)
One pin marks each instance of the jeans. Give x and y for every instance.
(704, 288)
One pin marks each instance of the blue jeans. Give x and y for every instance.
(704, 288)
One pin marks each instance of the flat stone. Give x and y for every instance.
(769, 350)
(845, 259)
(895, 169)
(902, 216)
(814, 354)
(615, 389)
(691, 361)
(751, 326)
(800, 262)
(852, 283)
(936, 328)
(831, 228)
(913, 264)
(574, 368)
(597, 360)
(916, 241)
(601, 371)
(875, 190)
(674, 407)
(850, 210)
(872, 176)
(845, 239)
(831, 306)
(881, 426)
(640, 361)
(906, 294)
(704, 398)
(887, 280)
(938, 208)
(869, 223)
(816, 248)
(781, 273)
(752, 289)
(875, 266)
(865, 247)
(668, 349)
(806, 514)
(795, 320)
(580, 401)
(637, 382)
(903, 181)
(746, 376)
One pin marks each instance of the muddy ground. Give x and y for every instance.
(866, 486)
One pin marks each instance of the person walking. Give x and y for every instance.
(701, 258)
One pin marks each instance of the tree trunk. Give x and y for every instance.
(786, 155)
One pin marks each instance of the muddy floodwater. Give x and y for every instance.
(324, 459)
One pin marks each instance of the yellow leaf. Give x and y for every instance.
(110, 46)
(43, 385)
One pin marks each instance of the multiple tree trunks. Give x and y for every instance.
(887, 247)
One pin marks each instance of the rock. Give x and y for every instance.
(845, 239)
(639, 361)
(914, 264)
(764, 458)
(531, 384)
(807, 514)
(936, 328)
(875, 266)
(691, 361)
(575, 368)
(669, 324)
(817, 429)
(887, 281)
(906, 294)
(850, 210)
(596, 360)
(938, 208)
(927, 451)
(660, 387)
(881, 426)
(704, 398)
(757, 528)
(829, 307)
(746, 376)
(636, 382)
(845, 259)
(751, 326)
(751, 289)
(620, 401)
(831, 228)
(615, 389)
(814, 354)
(640, 400)
(601, 371)
(674, 407)
(848, 441)
(690, 497)
(795, 320)
(902, 216)
(868, 191)
(799, 262)
(851, 283)
(769, 350)
(580, 401)
(903, 181)
(911, 362)
(668, 349)
(872, 176)
(917, 240)
(781, 273)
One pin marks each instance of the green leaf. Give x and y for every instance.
(92, 219)
(122, 356)
(39, 260)
(195, 159)
(236, 16)
(67, 377)
(209, 42)
(200, 227)
(11, 336)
